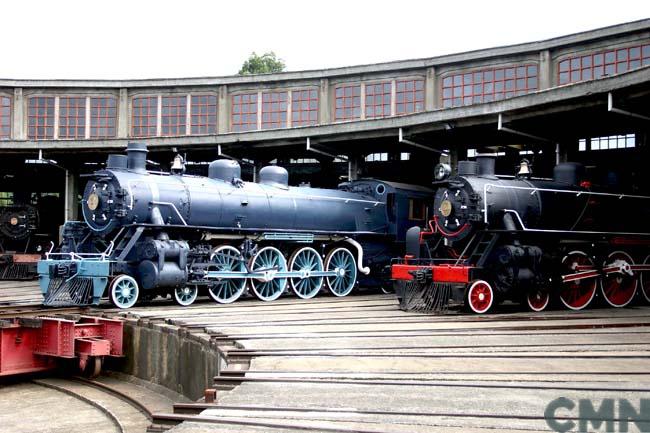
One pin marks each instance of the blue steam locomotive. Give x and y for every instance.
(145, 234)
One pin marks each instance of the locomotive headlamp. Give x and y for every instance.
(442, 171)
(13, 221)
(93, 201)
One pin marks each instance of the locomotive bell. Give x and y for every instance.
(525, 169)
(178, 166)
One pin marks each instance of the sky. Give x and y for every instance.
(115, 39)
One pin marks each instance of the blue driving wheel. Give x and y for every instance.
(306, 260)
(227, 259)
(342, 262)
(268, 260)
(124, 291)
(186, 295)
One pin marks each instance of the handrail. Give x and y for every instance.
(487, 186)
(587, 232)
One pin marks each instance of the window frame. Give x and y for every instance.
(344, 85)
(494, 76)
(181, 118)
(256, 125)
(67, 116)
(10, 117)
(271, 124)
(575, 63)
(308, 111)
(90, 118)
(414, 92)
(156, 125)
(201, 116)
(54, 124)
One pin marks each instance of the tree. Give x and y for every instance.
(265, 64)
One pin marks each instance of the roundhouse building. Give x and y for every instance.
(580, 97)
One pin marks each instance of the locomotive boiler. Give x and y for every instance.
(530, 239)
(153, 233)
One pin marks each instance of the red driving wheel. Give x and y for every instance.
(577, 294)
(618, 288)
(480, 296)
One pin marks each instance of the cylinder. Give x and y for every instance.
(170, 276)
(137, 157)
(117, 162)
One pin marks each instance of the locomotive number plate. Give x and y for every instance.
(445, 208)
(93, 201)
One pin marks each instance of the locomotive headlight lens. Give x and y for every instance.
(442, 171)
(445, 208)
(13, 221)
(93, 201)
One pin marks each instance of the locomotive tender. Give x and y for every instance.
(148, 233)
(494, 238)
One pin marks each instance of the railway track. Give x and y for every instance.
(360, 364)
(128, 407)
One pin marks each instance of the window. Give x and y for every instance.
(625, 141)
(417, 209)
(376, 157)
(602, 63)
(274, 110)
(173, 115)
(409, 96)
(404, 156)
(5, 117)
(488, 85)
(304, 107)
(203, 114)
(244, 112)
(378, 100)
(72, 117)
(103, 117)
(144, 119)
(40, 116)
(303, 161)
(348, 102)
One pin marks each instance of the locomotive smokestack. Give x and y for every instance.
(137, 157)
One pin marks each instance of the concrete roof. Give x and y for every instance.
(576, 38)
(553, 99)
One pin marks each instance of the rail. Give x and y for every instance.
(80, 256)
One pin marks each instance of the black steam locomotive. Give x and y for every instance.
(18, 251)
(495, 238)
(146, 234)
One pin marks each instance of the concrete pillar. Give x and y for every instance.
(562, 151)
(545, 76)
(123, 114)
(354, 162)
(71, 204)
(223, 111)
(431, 91)
(18, 130)
(324, 110)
